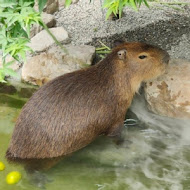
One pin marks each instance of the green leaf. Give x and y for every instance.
(146, 3)
(120, 8)
(41, 4)
(101, 48)
(67, 2)
(7, 3)
(2, 76)
(103, 52)
(109, 12)
(23, 55)
(6, 65)
(133, 4)
(2, 79)
(9, 71)
(139, 2)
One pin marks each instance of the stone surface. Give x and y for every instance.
(48, 65)
(51, 6)
(48, 19)
(42, 40)
(169, 95)
(160, 25)
(182, 49)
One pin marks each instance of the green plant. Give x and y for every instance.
(116, 6)
(67, 2)
(103, 50)
(16, 19)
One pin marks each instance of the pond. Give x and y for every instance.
(155, 155)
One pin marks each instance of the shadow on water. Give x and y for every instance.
(155, 155)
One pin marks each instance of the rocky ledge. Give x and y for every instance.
(80, 28)
(169, 95)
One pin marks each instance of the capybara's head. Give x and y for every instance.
(143, 60)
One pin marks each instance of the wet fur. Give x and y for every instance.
(69, 112)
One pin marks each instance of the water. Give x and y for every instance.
(155, 155)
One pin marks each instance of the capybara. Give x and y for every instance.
(69, 112)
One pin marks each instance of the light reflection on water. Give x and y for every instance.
(155, 156)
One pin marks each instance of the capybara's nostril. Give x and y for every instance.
(166, 58)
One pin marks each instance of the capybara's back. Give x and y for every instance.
(70, 111)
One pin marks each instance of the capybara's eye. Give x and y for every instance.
(142, 56)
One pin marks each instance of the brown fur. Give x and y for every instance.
(70, 111)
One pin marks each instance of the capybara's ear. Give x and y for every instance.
(122, 54)
(118, 42)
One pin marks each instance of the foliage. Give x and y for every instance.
(16, 19)
(103, 50)
(116, 6)
(41, 4)
(67, 2)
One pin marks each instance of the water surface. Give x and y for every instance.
(155, 155)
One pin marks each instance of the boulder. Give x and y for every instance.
(169, 95)
(51, 6)
(48, 19)
(48, 65)
(42, 41)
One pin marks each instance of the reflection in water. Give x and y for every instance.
(155, 155)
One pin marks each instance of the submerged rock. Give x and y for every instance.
(26, 92)
(169, 95)
(48, 65)
(7, 89)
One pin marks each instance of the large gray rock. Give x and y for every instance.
(51, 6)
(48, 19)
(48, 65)
(169, 95)
(42, 41)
